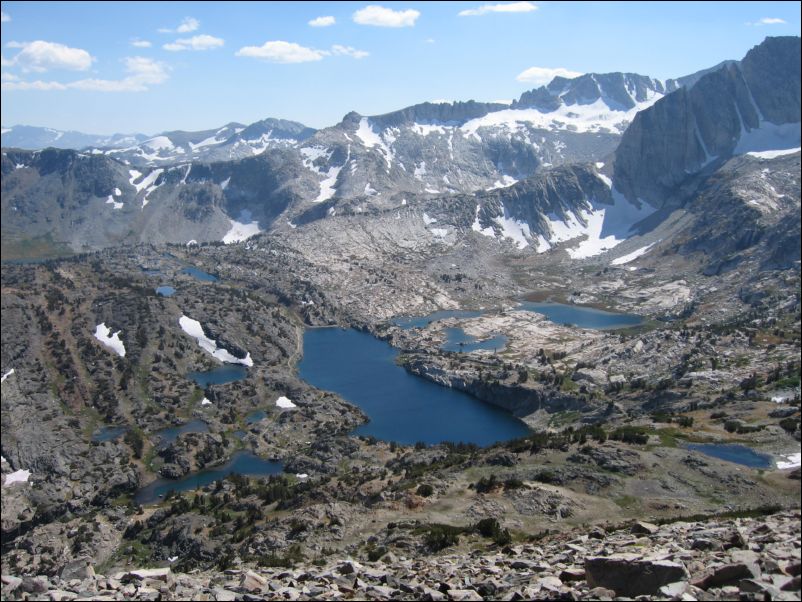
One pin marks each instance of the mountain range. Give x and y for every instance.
(573, 165)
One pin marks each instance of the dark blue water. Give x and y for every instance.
(408, 322)
(199, 274)
(221, 375)
(738, 454)
(108, 433)
(169, 435)
(584, 317)
(240, 434)
(165, 291)
(402, 407)
(458, 340)
(244, 463)
(255, 416)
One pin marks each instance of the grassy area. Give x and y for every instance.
(564, 418)
(627, 502)
(33, 249)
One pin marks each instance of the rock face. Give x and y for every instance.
(752, 105)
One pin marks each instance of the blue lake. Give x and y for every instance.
(739, 454)
(255, 416)
(402, 407)
(108, 433)
(458, 340)
(165, 291)
(199, 274)
(244, 463)
(169, 435)
(408, 322)
(219, 376)
(583, 317)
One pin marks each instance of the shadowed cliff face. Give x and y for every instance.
(752, 105)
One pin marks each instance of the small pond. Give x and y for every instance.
(169, 435)
(108, 433)
(199, 274)
(255, 416)
(220, 375)
(165, 291)
(583, 317)
(739, 454)
(458, 340)
(242, 462)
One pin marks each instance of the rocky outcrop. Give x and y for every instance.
(580, 565)
(737, 108)
(519, 400)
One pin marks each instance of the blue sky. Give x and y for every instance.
(105, 67)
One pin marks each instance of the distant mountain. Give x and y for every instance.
(232, 141)
(748, 105)
(576, 165)
(35, 138)
(462, 147)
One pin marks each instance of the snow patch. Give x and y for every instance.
(592, 117)
(790, 461)
(370, 139)
(439, 232)
(633, 256)
(603, 226)
(428, 220)
(773, 154)
(194, 329)
(6, 375)
(206, 402)
(159, 143)
(514, 229)
(241, 230)
(112, 341)
(210, 141)
(607, 181)
(769, 137)
(111, 201)
(504, 182)
(117, 192)
(18, 476)
(283, 402)
(224, 183)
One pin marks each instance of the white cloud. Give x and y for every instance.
(385, 17)
(512, 7)
(4, 16)
(39, 56)
(282, 52)
(540, 76)
(768, 21)
(35, 85)
(429, 40)
(322, 21)
(187, 25)
(8, 77)
(140, 44)
(349, 51)
(199, 42)
(142, 73)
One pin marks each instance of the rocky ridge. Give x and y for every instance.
(713, 559)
